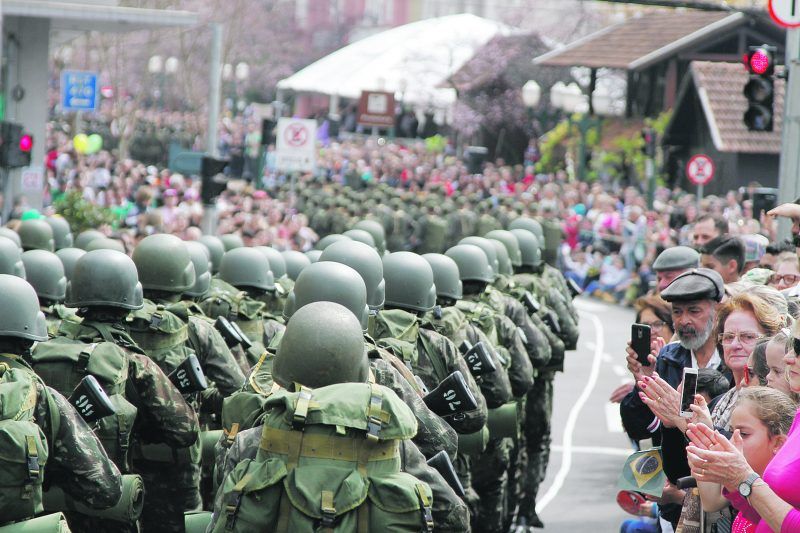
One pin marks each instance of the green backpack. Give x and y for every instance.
(23, 446)
(64, 361)
(238, 307)
(329, 460)
(161, 334)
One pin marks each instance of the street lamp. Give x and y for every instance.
(171, 65)
(531, 94)
(241, 73)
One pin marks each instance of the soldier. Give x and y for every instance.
(68, 257)
(276, 299)
(9, 233)
(215, 250)
(329, 239)
(366, 261)
(431, 234)
(85, 237)
(376, 230)
(63, 444)
(62, 233)
(45, 272)
(362, 236)
(105, 287)
(11, 258)
(295, 263)
(36, 234)
(231, 241)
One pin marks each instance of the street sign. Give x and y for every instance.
(700, 169)
(295, 147)
(785, 13)
(79, 90)
(376, 109)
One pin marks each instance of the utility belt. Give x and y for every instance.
(164, 453)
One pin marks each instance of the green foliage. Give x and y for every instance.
(551, 149)
(82, 214)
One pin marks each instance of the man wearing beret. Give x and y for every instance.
(694, 296)
(673, 262)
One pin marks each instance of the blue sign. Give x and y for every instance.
(79, 90)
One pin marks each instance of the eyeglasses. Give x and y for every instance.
(656, 324)
(788, 279)
(746, 338)
(796, 345)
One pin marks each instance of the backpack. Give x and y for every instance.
(161, 334)
(64, 361)
(329, 460)
(23, 446)
(237, 307)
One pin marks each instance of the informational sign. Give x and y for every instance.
(700, 169)
(785, 13)
(376, 109)
(79, 90)
(295, 147)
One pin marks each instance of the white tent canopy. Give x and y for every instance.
(413, 60)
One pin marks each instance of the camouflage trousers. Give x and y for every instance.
(536, 436)
(170, 491)
(490, 481)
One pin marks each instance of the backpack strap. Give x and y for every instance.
(434, 356)
(427, 508)
(234, 499)
(328, 512)
(32, 460)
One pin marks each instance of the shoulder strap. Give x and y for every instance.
(436, 356)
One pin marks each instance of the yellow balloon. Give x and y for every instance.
(81, 143)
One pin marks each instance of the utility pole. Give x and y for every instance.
(214, 81)
(788, 186)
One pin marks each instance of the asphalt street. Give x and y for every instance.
(589, 446)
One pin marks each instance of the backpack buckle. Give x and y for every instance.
(155, 321)
(328, 519)
(32, 457)
(301, 409)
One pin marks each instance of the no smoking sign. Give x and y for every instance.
(785, 13)
(700, 169)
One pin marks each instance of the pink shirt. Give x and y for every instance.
(781, 475)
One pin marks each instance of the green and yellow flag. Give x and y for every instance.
(643, 472)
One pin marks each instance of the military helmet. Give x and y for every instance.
(473, 265)
(327, 240)
(364, 260)
(313, 255)
(11, 259)
(11, 234)
(85, 237)
(45, 272)
(62, 233)
(104, 243)
(361, 235)
(276, 262)
(247, 267)
(530, 247)
(36, 234)
(409, 282)
(19, 308)
(104, 278)
(445, 276)
(487, 247)
(201, 259)
(295, 263)
(68, 257)
(510, 242)
(503, 260)
(374, 228)
(323, 345)
(164, 264)
(231, 241)
(529, 224)
(330, 282)
(215, 250)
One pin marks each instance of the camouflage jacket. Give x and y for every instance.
(555, 300)
(55, 314)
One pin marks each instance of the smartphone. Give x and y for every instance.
(689, 390)
(640, 342)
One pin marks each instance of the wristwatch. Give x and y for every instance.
(746, 486)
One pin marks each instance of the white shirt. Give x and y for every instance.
(714, 362)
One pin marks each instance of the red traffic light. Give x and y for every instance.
(760, 60)
(26, 142)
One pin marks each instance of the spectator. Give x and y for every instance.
(725, 255)
(787, 273)
(673, 262)
(708, 227)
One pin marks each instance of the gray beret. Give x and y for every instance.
(695, 284)
(677, 258)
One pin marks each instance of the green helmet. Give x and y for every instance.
(374, 228)
(62, 233)
(361, 235)
(104, 278)
(45, 273)
(215, 250)
(19, 310)
(487, 247)
(329, 282)
(164, 264)
(246, 267)
(295, 263)
(85, 237)
(276, 262)
(202, 268)
(529, 224)
(68, 257)
(530, 247)
(473, 265)
(510, 242)
(313, 255)
(364, 260)
(323, 344)
(36, 234)
(231, 241)
(104, 243)
(409, 282)
(327, 240)
(445, 276)
(11, 234)
(503, 260)
(11, 259)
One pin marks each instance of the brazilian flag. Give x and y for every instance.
(644, 472)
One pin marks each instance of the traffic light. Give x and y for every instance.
(15, 146)
(649, 138)
(213, 180)
(760, 88)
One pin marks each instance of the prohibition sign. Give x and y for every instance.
(785, 13)
(296, 135)
(700, 169)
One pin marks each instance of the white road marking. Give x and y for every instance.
(613, 418)
(589, 345)
(583, 304)
(572, 419)
(607, 358)
(596, 450)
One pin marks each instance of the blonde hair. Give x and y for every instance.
(765, 314)
(772, 407)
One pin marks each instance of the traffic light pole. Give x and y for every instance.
(789, 178)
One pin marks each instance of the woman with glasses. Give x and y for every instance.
(654, 312)
(787, 272)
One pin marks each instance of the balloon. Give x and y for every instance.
(95, 144)
(81, 143)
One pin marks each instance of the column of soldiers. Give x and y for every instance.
(361, 386)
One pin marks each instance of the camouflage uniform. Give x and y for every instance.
(55, 314)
